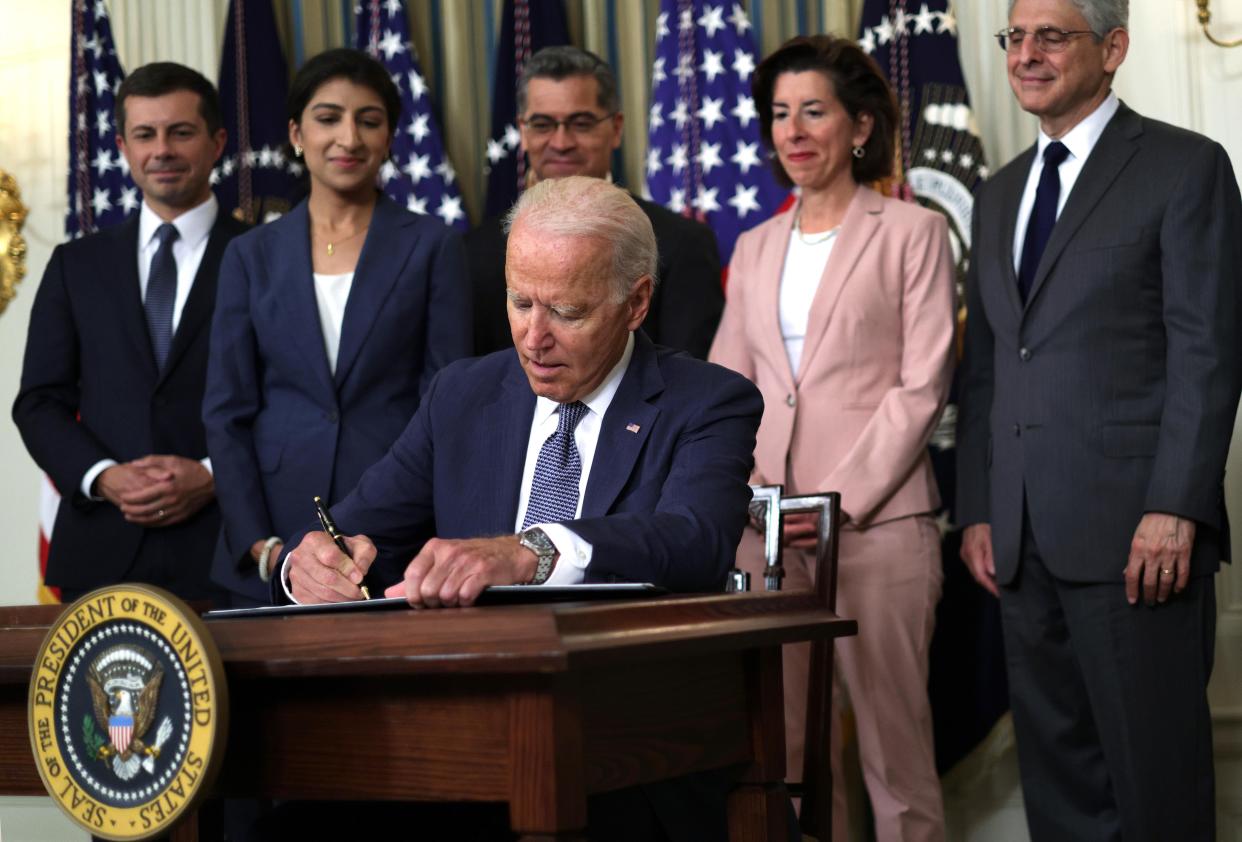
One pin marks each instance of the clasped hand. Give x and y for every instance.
(157, 490)
(444, 573)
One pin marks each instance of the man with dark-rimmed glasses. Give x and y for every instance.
(1099, 389)
(570, 123)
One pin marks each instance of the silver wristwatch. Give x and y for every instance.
(538, 542)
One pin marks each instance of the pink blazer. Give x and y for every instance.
(876, 363)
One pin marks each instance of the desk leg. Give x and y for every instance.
(547, 798)
(816, 818)
(759, 805)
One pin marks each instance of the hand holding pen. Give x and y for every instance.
(329, 526)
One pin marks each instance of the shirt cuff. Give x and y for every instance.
(575, 554)
(284, 579)
(88, 479)
(206, 463)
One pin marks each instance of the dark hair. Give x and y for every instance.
(165, 77)
(342, 63)
(859, 86)
(557, 63)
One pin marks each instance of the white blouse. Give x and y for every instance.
(331, 294)
(804, 266)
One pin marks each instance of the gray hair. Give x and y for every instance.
(581, 206)
(1103, 16)
(557, 63)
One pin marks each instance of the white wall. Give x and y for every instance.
(34, 94)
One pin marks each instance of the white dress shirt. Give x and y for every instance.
(1079, 140)
(804, 267)
(331, 295)
(193, 230)
(575, 553)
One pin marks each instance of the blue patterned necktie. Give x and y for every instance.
(1043, 216)
(161, 292)
(558, 470)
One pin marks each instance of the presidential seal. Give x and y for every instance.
(128, 711)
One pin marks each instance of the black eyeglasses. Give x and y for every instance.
(583, 123)
(1048, 39)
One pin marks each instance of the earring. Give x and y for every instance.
(297, 150)
(859, 151)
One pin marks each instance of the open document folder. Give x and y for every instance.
(493, 595)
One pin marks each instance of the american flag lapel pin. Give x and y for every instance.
(632, 427)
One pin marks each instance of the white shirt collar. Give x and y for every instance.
(193, 226)
(1081, 139)
(599, 400)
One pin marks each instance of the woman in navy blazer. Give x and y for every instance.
(329, 325)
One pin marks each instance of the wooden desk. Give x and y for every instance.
(537, 705)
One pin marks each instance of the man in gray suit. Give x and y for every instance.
(1098, 396)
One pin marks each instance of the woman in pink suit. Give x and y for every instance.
(841, 311)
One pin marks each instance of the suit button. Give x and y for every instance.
(332, 417)
(1017, 430)
(1024, 354)
(790, 401)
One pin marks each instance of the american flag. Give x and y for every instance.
(704, 156)
(253, 179)
(419, 174)
(101, 193)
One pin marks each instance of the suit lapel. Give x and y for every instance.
(1011, 196)
(293, 281)
(128, 295)
(619, 442)
(770, 267)
(862, 220)
(502, 433)
(202, 299)
(384, 254)
(1111, 153)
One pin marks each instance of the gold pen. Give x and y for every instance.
(329, 526)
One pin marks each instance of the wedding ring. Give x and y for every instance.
(1166, 571)
(159, 515)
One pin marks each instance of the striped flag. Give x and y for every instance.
(418, 175)
(704, 155)
(253, 179)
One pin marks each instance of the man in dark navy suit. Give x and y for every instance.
(595, 454)
(570, 124)
(592, 453)
(112, 382)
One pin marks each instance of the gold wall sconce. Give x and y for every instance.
(1205, 17)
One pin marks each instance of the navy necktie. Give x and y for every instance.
(558, 470)
(1043, 216)
(161, 293)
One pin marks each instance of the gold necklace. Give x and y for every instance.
(332, 246)
(816, 239)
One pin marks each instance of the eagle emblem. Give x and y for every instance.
(125, 686)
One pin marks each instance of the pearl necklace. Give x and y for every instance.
(814, 239)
